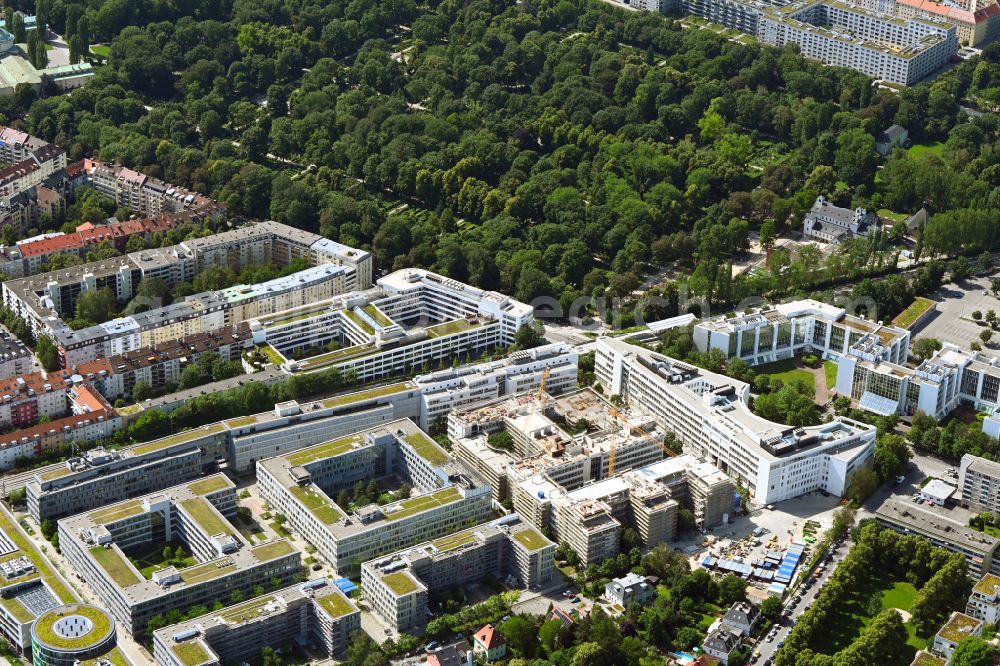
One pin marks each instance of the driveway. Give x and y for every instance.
(59, 53)
(955, 304)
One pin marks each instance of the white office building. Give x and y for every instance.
(710, 415)
(807, 326)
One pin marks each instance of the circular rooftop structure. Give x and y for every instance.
(74, 632)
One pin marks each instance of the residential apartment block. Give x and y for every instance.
(945, 528)
(979, 484)
(45, 298)
(958, 627)
(805, 326)
(312, 613)
(984, 602)
(397, 586)
(709, 413)
(197, 515)
(88, 417)
(446, 494)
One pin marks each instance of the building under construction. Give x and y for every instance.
(580, 467)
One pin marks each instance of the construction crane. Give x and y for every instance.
(616, 413)
(545, 381)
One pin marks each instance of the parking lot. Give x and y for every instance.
(956, 302)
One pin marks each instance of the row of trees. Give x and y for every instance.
(879, 553)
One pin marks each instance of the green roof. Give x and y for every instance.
(337, 355)
(17, 610)
(927, 659)
(117, 512)
(454, 541)
(918, 307)
(427, 448)
(325, 450)
(414, 505)
(318, 503)
(103, 624)
(116, 566)
(207, 516)
(241, 421)
(191, 652)
(309, 314)
(377, 315)
(27, 548)
(451, 327)
(272, 550)
(202, 572)
(335, 604)
(959, 626)
(400, 583)
(55, 473)
(179, 438)
(531, 538)
(246, 611)
(360, 321)
(368, 394)
(211, 484)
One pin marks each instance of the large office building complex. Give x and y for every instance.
(805, 326)
(710, 415)
(313, 613)
(898, 50)
(97, 545)
(410, 319)
(397, 585)
(935, 387)
(301, 486)
(99, 477)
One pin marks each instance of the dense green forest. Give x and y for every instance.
(560, 148)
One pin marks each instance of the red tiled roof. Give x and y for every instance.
(490, 637)
(40, 430)
(956, 14)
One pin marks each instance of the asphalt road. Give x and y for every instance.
(922, 467)
(808, 595)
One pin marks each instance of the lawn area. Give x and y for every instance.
(919, 149)
(149, 559)
(787, 372)
(845, 627)
(891, 215)
(100, 50)
(450, 327)
(830, 372)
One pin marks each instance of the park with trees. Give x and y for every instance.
(562, 149)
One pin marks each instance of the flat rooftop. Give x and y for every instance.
(190, 499)
(944, 525)
(294, 471)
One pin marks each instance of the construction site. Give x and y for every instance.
(584, 469)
